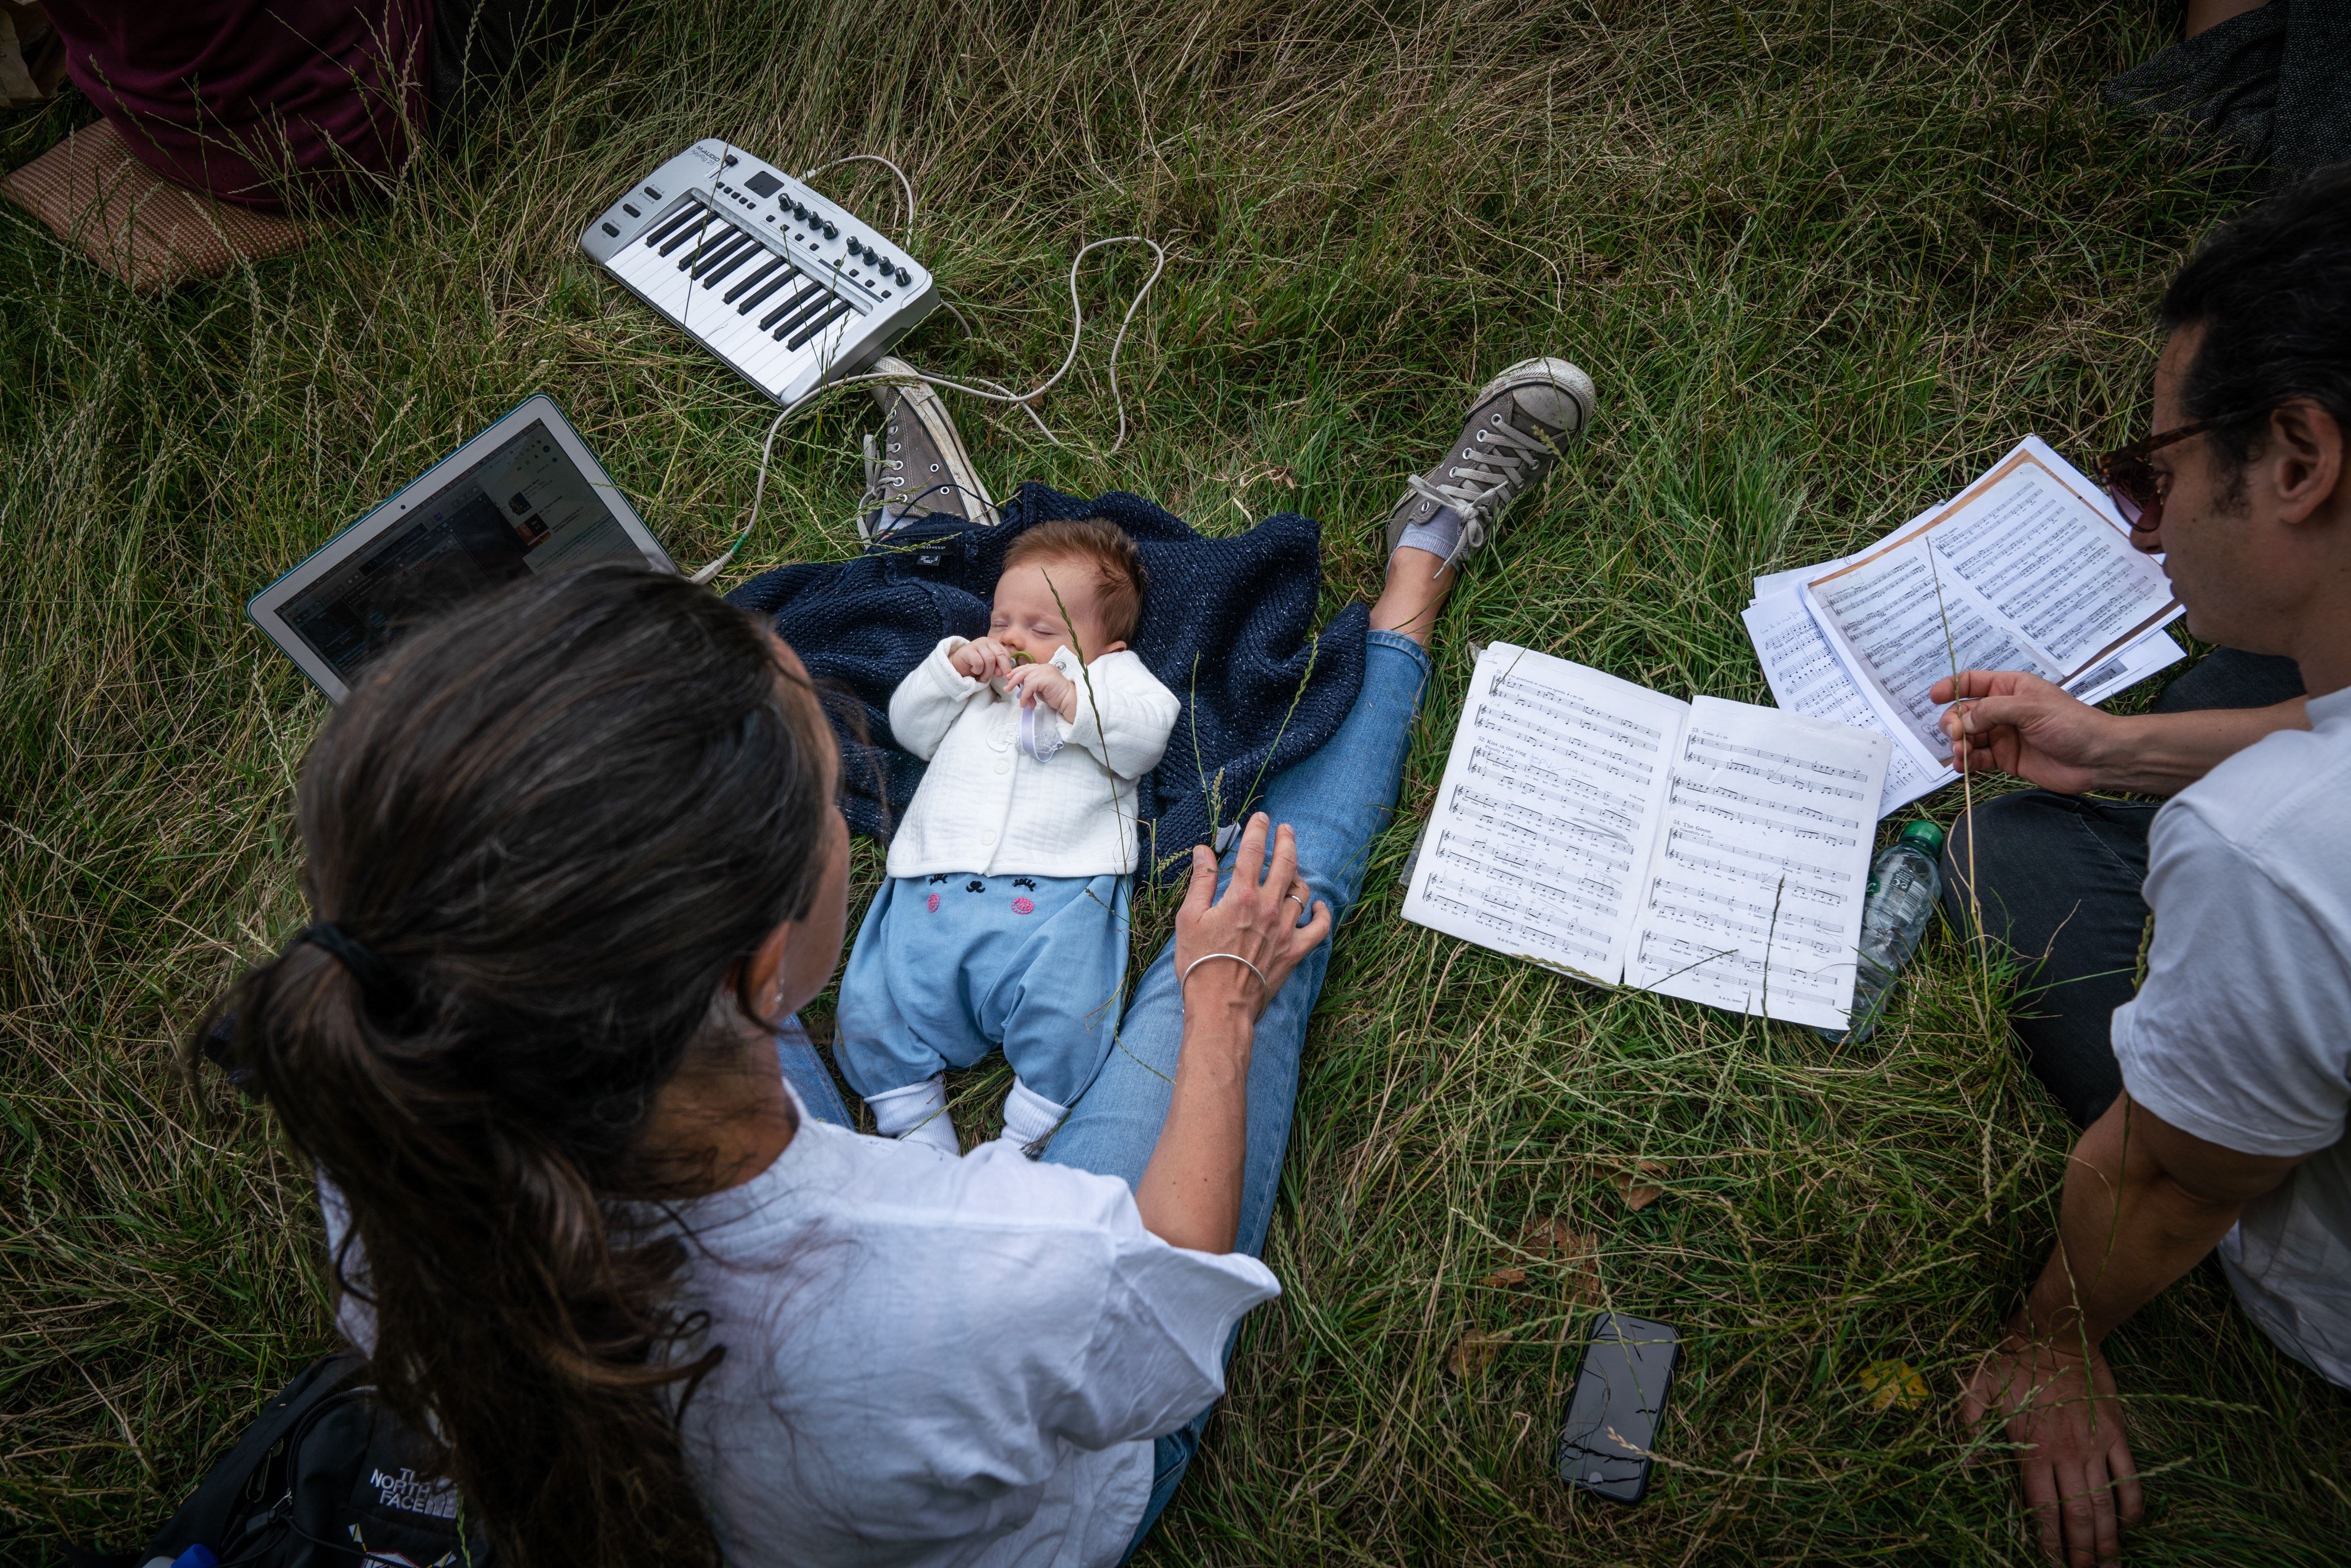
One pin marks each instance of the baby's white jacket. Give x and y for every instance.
(985, 806)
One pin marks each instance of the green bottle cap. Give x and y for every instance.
(1926, 835)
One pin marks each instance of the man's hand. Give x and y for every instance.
(2066, 1417)
(2014, 722)
(1034, 684)
(982, 659)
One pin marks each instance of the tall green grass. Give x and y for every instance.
(1824, 260)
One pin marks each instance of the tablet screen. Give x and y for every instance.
(526, 507)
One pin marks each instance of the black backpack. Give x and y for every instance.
(324, 1478)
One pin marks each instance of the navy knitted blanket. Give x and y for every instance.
(1227, 624)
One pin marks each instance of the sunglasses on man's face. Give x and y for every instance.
(2138, 487)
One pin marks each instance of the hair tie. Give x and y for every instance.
(382, 993)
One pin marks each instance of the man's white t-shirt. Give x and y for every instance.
(933, 1361)
(2241, 1035)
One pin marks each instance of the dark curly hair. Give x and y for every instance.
(2272, 291)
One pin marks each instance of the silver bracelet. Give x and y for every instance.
(1235, 957)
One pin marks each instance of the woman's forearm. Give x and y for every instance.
(2163, 753)
(1190, 1195)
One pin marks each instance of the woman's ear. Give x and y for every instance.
(768, 969)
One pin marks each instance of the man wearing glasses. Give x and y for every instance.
(2215, 1098)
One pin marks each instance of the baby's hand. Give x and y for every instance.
(981, 659)
(1044, 683)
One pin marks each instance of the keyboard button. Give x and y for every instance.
(613, 232)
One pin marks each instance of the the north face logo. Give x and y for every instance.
(433, 1499)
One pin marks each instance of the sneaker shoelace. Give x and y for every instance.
(1477, 488)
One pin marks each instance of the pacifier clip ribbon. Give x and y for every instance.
(1037, 742)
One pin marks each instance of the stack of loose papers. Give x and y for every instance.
(2030, 568)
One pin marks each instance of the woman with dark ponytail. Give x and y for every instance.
(546, 843)
(573, 864)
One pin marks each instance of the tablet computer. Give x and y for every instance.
(524, 497)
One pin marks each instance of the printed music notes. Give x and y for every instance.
(2030, 572)
(1709, 850)
(2024, 570)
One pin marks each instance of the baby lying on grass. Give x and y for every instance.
(1003, 921)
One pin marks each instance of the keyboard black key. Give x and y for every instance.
(804, 309)
(720, 271)
(798, 305)
(751, 280)
(660, 230)
(787, 276)
(723, 238)
(694, 231)
(729, 249)
(840, 308)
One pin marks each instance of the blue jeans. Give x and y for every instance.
(1336, 801)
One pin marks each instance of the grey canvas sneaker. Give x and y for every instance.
(1517, 429)
(915, 464)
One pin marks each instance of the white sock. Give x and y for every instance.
(1029, 1116)
(918, 1112)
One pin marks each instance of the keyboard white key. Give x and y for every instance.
(789, 288)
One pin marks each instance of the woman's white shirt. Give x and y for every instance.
(933, 1361)
(990, 807)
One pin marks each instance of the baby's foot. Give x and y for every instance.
(918, 1114)
(1029, 1119)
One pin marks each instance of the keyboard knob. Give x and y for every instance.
(831, 232)
(905, 277)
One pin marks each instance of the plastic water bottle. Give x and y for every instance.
(1904, 883)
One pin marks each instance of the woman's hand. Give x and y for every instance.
(1190, 1193)
(1268, 915)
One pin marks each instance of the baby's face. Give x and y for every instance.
(1028, 620)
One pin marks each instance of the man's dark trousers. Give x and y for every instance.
(2059, 878)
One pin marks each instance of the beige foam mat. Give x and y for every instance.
(134, 224)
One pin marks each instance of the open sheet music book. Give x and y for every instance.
(1810, 671)
(2022, 570)
(1708, 850)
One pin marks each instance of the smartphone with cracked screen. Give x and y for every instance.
(1618, 1406)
